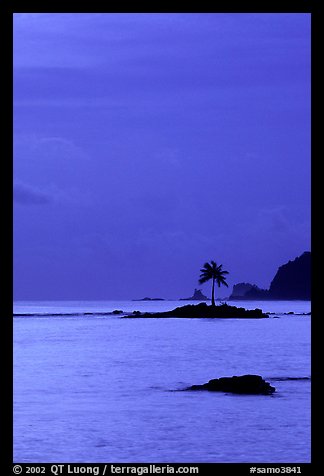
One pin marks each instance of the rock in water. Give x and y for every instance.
(244, 384)
(197, 296)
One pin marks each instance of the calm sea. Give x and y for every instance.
(99, 388)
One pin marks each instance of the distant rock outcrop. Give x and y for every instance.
(240, 289)
(149, 299)
(197, 296)
(244, 290)
(257, 293)
(292, 281)
(244, 384)
(247, 291)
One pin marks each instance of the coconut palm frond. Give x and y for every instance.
(204, 279)
(206, 266)
(220, 281)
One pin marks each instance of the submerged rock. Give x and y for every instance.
(244, 384)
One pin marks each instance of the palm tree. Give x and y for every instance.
(214, 272)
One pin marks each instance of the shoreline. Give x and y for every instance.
(161, 315)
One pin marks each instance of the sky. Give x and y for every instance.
(148, 144)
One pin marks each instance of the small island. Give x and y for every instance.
(197, 296)
(203, 311)
(149, 299)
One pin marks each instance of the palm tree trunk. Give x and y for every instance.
(213, 293)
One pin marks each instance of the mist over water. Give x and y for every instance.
(105, 388)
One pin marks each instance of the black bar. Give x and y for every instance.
(141, 469)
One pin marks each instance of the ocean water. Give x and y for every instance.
(90, 387)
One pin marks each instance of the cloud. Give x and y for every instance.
(276, 220)
(25, 194)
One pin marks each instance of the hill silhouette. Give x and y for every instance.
(291, 282)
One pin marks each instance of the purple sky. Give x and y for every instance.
(147, 144)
